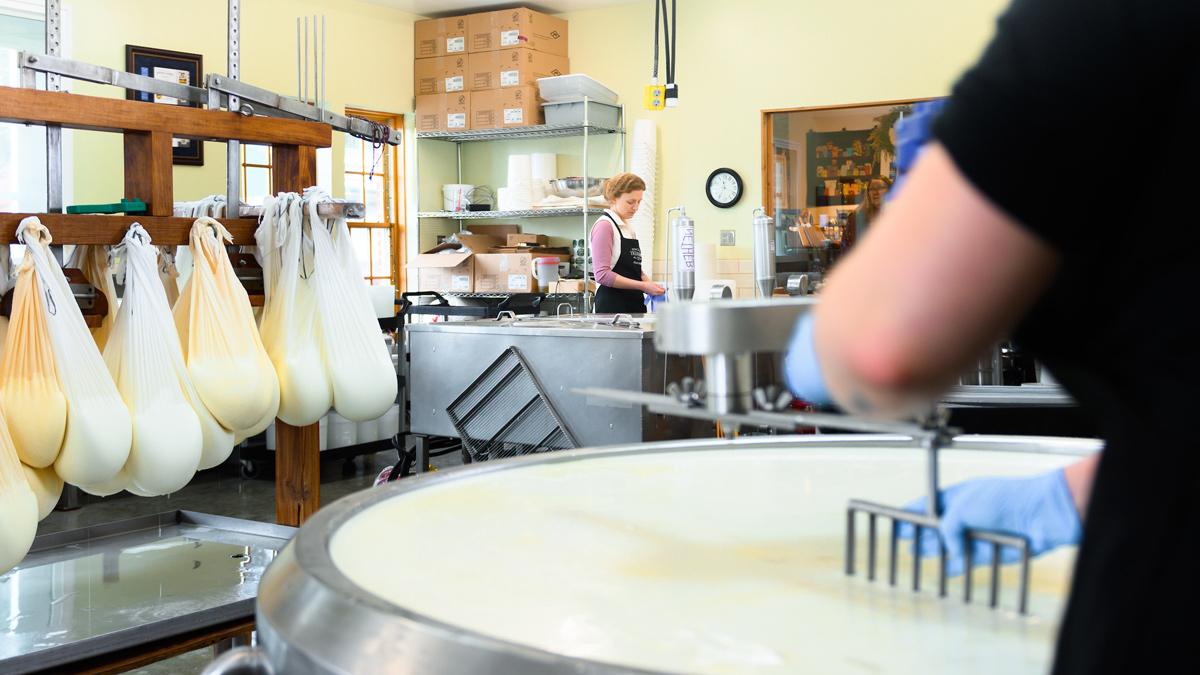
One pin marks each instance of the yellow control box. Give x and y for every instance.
(654, 97)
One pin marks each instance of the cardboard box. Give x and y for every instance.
(443, 112)
(514, 67)
(505, 108)
(445, 272)
(501, 231)
(530, 239)
(519, 27)
(440, 37)
(480, 243)
(440, 75)
(504, 273)
(570, 286)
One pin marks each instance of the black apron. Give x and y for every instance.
(623, 300)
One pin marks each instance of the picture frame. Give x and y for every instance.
(181, 67)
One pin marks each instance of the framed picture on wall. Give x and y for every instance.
(179, 67)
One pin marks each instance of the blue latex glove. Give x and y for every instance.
(1039, 508)
(913, 131)
(801, 370)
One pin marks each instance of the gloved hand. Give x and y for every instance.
(1039, 508)
(801, 371)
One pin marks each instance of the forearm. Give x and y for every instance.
(625, 283)
(1080, 477)
(941, 277)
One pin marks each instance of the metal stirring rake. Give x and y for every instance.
(934, 437)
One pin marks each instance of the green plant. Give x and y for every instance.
(880, 138)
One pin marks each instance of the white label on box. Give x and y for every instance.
(456, 121)
(454, 83)
(456, 44)
(514, 115)
(460, 282)
(510, 38)
(518, 281)
(510, 78)
(504, 263)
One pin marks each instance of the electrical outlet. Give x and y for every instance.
(728, 237)
(654, 97)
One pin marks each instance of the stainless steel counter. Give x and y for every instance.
(93, 591)
(563, 353)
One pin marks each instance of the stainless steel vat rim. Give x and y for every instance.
(313, 556)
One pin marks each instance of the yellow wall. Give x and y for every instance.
(738, 58)
(368, 65)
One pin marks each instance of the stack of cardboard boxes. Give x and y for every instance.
(497, 259)
(480, 71)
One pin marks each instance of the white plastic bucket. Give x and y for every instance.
(342, 432)
(456, 196)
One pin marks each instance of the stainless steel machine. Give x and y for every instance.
(124, 588)
(563, 353)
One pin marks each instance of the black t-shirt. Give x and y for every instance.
(1079, 121)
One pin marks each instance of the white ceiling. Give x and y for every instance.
(435, 8)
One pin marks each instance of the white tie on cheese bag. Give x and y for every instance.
(146, 361)
(358, 363)
(225, 356)
(99, 429)
(18, 505)
(290, 326)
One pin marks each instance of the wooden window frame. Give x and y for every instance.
(396, 209)
(269, 166)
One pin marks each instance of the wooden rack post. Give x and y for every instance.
(148, 129)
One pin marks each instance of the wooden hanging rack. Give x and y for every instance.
(147, 130)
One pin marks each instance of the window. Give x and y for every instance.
(256, 173)
(373, 176)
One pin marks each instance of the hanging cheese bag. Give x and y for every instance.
(225, 356)
(146, 362)
(29, 391)
(358, 363)
(47, 488)
(18, 505)
(94, 262)
(290, 327)
(99, 430)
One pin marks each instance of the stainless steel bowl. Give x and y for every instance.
(313, 619)
(573, 187)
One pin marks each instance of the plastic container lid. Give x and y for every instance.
(572, 88)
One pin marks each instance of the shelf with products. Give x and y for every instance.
(529, 213)
(536, 131)
(440, 168)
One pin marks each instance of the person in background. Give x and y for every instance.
(868, 209)
(616, 253)
(971, 250)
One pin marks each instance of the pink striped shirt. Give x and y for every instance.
(602, 250)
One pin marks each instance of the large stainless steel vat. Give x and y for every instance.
(674, 557)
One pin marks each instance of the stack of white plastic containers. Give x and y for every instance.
(338, 432)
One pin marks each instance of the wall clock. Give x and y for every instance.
(724, 188)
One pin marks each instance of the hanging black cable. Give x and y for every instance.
(674, 37)
(657, 13)
(667, 41)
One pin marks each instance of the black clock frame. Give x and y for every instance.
(708, 188)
